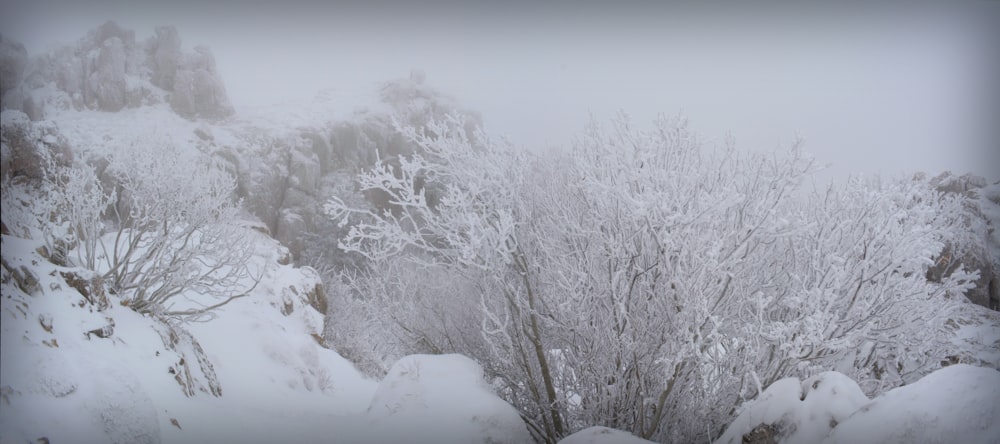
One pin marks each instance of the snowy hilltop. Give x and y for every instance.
(176, 270)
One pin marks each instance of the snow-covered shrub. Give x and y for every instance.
(645, 283)
(177, 231)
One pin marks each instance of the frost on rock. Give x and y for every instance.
(441, 399)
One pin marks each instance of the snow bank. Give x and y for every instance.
(959, 403)
(438, 399)
(602, 435)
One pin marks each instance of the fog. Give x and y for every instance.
(886, 89)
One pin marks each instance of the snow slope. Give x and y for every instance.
(277, 383)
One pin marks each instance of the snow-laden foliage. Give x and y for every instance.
(645, 283)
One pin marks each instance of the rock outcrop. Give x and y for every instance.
(108, 70)
(197, 88)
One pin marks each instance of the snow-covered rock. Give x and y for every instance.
(602, 435)
(798, 411)
(959, 403)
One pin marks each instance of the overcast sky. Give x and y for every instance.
(888, 88)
